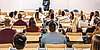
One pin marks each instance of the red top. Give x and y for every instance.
(35, 29)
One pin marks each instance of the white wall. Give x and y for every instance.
(86, 5)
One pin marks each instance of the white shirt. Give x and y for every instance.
(83, 23)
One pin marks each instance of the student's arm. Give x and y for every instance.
(42, 43)
(65, 40)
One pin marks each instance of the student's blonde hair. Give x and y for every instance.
(75, 24)
(95, 42)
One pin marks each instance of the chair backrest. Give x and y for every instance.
(67, 13)
(59, 16)
(5, 27)
(3, 13)
(32, 38)
(66, 10)
(33, 33)
(75, 10)
(19, 27)
(81, 45)
(26, 18)
(32, 46)
(6, 35)
(23, 13)
(30, 13)
(55, 45)
(86, 26)
(5, 45)
(73, 34)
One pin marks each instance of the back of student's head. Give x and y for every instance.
(59, 12)
(63, 13)
(72, 13)
(52, 16)
(20, 40)
(37, 15)
(51, 11)
(95, 42)
(7, 22)
(40, 9)
(15, 13)
(91, 15)
(52, 26)
(11, 14)
(96, 14)
(32, 22)
(81, 12)
(19, 16)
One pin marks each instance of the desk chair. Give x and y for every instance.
(55, 45)
(81, 45)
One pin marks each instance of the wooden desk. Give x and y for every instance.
(74, 34)
(18, 30)
(55, 48)
(3, 48)
(33, 33)
(32, 38)
(82, 48)
(30, 48)
(38, 24)
(66, 25)
(75, 38)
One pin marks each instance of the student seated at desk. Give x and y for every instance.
(83, 22)
(19, 41)
(11, 16)
(15, 14)
(93, 21)
(7, 22)
(95, 42)
(97, 29)
(71, 16)
(75, 25)
(53, 37)
(52, 19)
(64, 18)
(32, 26)
(37, 16)
(51, 11)
(20, 22)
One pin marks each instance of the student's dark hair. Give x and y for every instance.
(81, 17)
(15, 13)
(52, 16)
(19, 16)
(72, 13)
(32, 22)
(11, 14)
(40, 9)
(96, 14)
(37, 15)
(20, 40)
(98, 23)
(51, 11)
(91, 15)
(52, 26)
(63, 13)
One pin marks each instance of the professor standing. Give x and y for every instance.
(46, 4)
